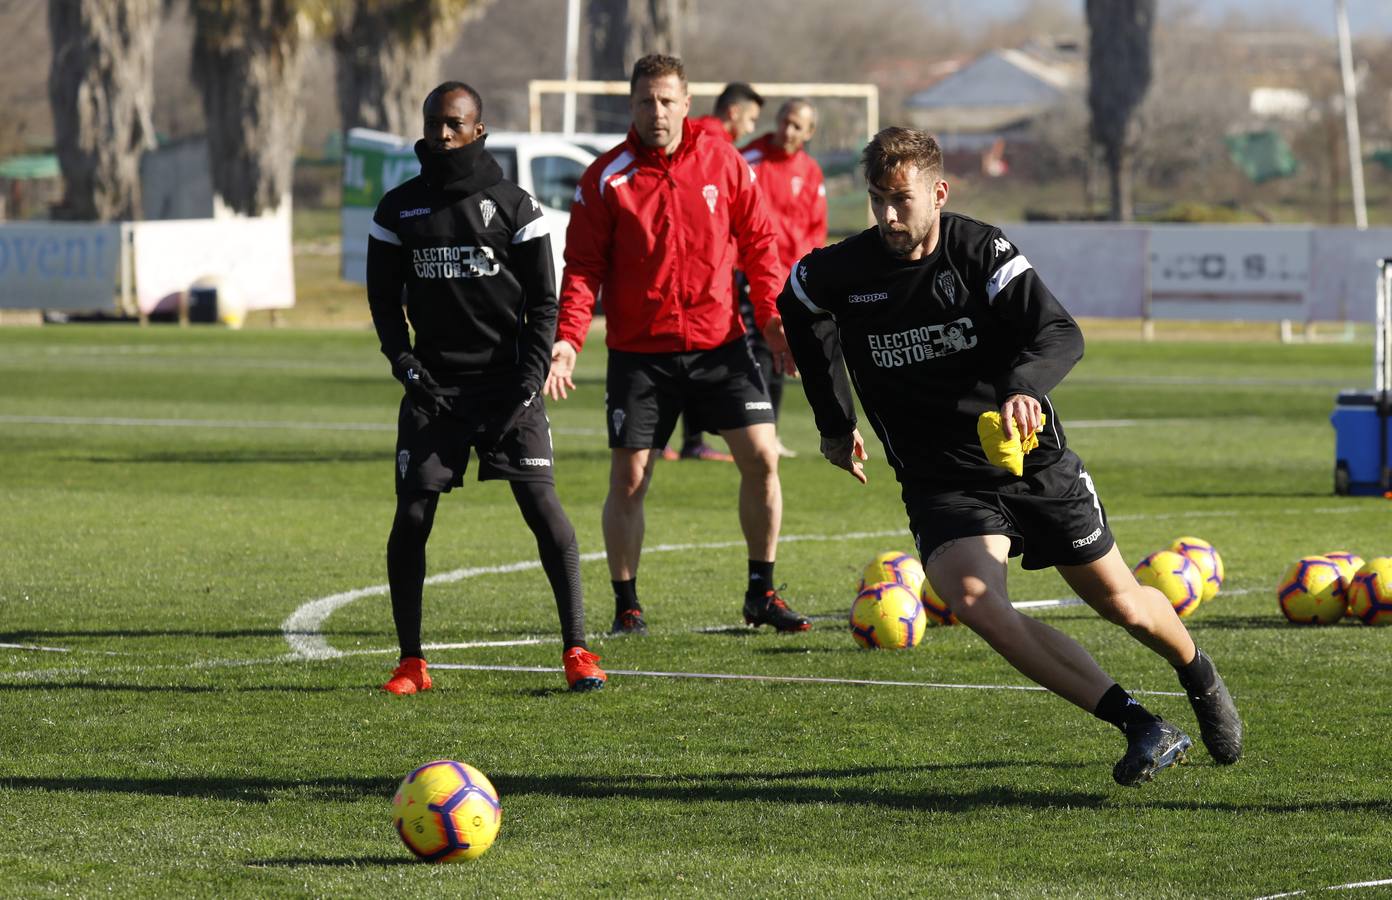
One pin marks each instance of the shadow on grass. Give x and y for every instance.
(1273, 622)
(723, 787)
(348, 862)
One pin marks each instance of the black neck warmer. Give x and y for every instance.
(459, 172)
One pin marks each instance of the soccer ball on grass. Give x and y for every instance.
(887, 616)
(1349, 564)
(1370, 592)
(1202, 554)
(1312, 593)
(1174, 575)
(446, 811)
(893, 566)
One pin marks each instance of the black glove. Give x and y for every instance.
(509, 412)
(425, 393)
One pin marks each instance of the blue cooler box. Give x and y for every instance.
(1361, 439)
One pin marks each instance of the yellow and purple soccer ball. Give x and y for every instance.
(1349, 564)
(1202, 554)
(892, 566)
(1174, 575)
(446, 811)
(1312, 592)
(934, 607)
(887, 616)
(1370, 592)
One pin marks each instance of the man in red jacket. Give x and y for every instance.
(659, 223)
(793, 189)
(735, 118)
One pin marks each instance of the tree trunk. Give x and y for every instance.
(621, 33)
(247, 59)
(1119, 70)
(101, 88)
(387, 56)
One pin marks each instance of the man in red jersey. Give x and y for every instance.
(793, 189)
(658, 225)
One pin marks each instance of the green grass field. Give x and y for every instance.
(172, 496)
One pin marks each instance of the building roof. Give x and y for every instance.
(994, 90)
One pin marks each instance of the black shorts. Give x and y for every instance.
(721, 389)
(1054, 517)
(432, 452)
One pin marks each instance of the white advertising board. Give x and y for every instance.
(1220, 272)
(59, 265)
(1094, 270)
(1344, 272)
(251, 259)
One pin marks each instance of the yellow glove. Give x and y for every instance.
(1008, 453)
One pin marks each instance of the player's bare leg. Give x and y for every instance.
(630, 474)
(755, 449)
(1108, 586)
(970, 574)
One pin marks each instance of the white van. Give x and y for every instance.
(547, 166)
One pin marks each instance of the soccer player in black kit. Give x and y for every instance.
(939, 319)
(469, 254)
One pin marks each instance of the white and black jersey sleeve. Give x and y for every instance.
(386, 280)
(812, 336)
(531, 247)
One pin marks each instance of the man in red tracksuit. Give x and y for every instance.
(735, 118)
(659, 222)
(794, 191)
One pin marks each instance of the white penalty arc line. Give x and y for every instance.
(784, 679)
(1349, 886)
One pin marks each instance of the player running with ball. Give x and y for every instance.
(943, 309)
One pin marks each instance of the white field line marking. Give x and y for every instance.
(230, 423)
(789, 679)
(1333, 887)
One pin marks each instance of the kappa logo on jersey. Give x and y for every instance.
(802, 272)
(1002, 246)
(868, 298)
(487, 208)
(617, 417)
(403, 459)
(536, 206)
(902, 348)
(454, 262)
(796, 184)
(711, 193)
(418, 211)
(579, 197)
(947, 287)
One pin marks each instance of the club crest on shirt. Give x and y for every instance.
(711, 193)
(403, 459)
(487, 208)
(947, 287)
(796, 185)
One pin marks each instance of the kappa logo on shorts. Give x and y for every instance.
(403, 459)
(758, 404)
(534, 461)
(1090, 539)
(617, 417)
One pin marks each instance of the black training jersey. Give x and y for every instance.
(480, 290)
(930, 344)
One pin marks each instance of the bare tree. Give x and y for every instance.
(622, 32)
(101, 89)
(247, 60)
(388, 53)
(1118, 78)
